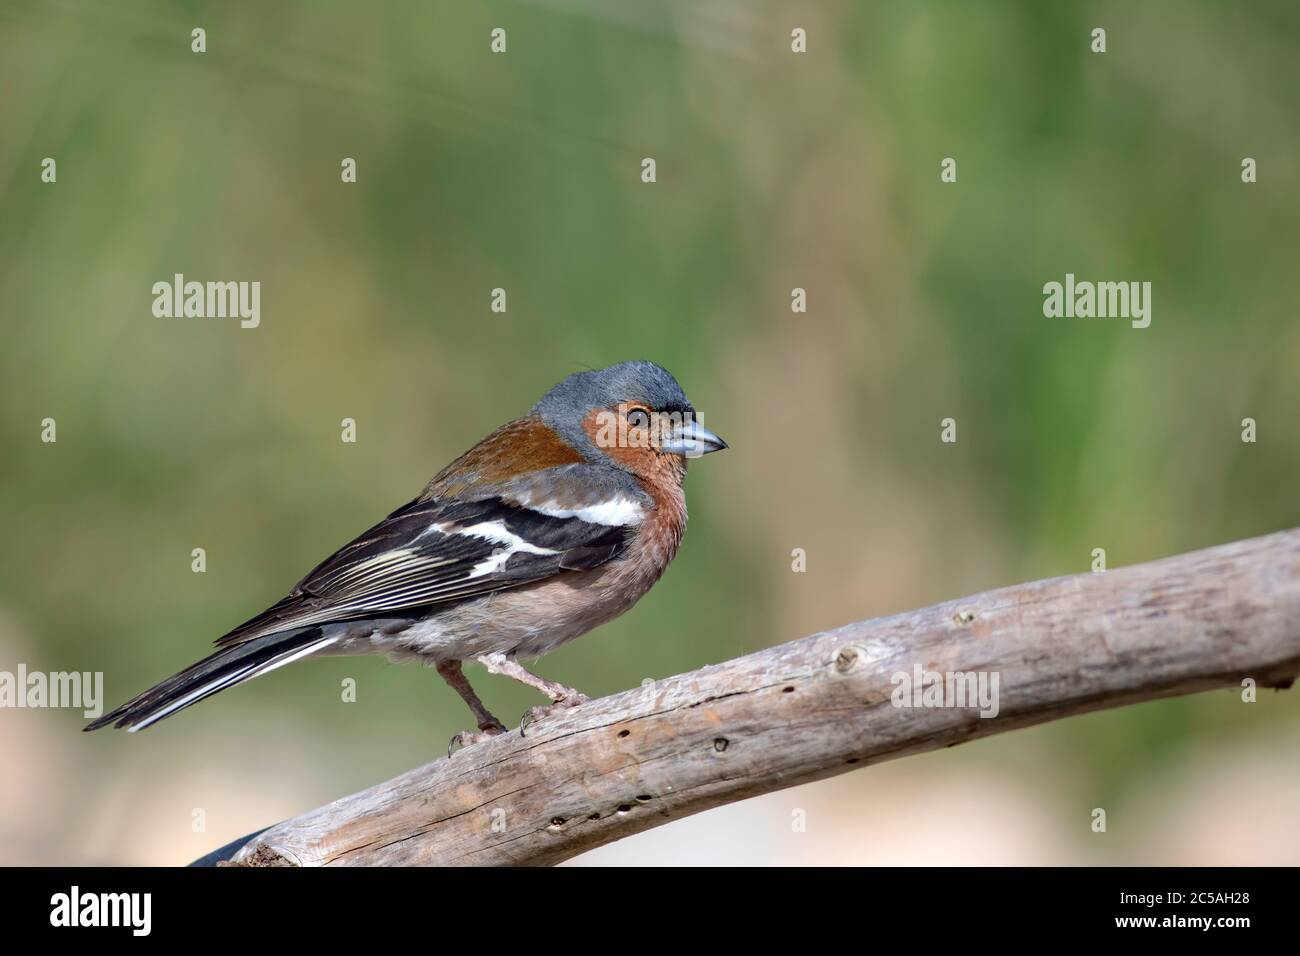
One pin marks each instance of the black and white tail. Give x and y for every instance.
(227, 667)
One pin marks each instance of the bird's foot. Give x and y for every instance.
(534, 714)
(468, 738)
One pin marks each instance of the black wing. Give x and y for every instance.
(433, 552)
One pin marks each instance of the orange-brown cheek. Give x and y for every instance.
(645, 462)
(602, 427)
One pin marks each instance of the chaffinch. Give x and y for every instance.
(550, 526)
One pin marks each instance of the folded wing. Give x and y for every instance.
(432, 552)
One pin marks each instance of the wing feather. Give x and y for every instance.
(432, 552)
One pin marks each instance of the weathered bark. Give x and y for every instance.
(821, 706)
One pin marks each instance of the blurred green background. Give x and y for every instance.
(522, 171)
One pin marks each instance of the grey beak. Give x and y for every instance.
(692, 440)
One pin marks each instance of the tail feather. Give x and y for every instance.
(227, 667)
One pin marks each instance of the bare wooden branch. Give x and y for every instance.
(820, 706)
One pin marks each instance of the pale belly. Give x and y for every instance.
(528, 622)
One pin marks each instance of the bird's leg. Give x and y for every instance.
(509, 667)
(561, 696)
(488, 725)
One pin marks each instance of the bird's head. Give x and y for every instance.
(634, 414)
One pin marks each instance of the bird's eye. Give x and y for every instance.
(638, 418)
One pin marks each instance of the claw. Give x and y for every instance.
(534, 714)
(467, 738)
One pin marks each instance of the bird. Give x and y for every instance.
(555, 523)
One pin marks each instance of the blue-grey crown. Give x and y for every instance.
(641, 382)
(567, 404)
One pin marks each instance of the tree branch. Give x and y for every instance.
(820, 706)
